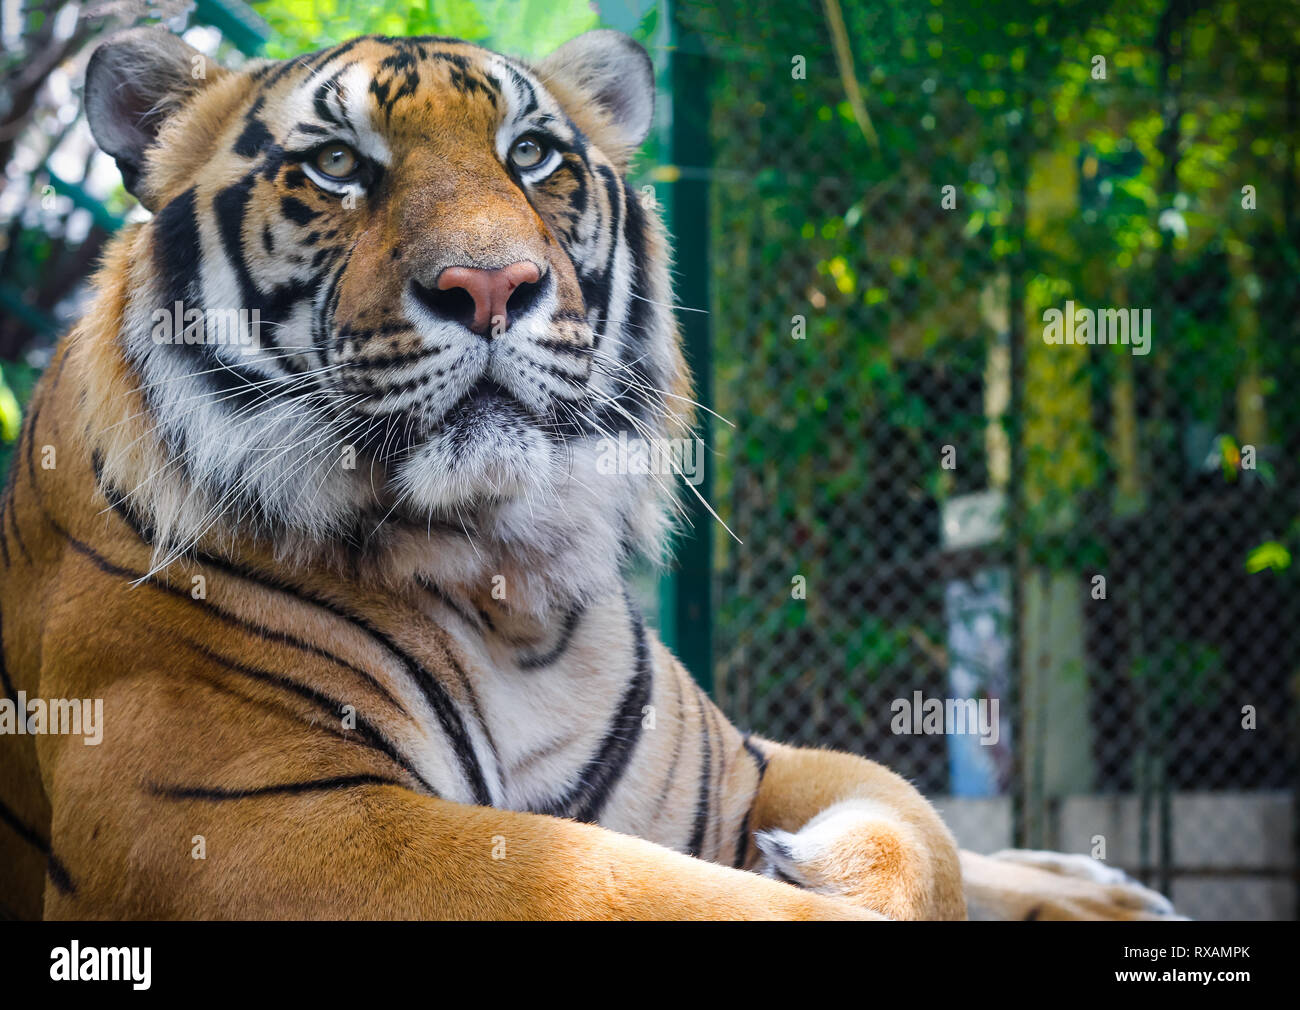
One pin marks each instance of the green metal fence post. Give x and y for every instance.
(689, 595)
(238, 23)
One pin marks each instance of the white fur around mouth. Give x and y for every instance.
(484, 449)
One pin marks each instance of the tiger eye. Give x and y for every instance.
(338, 161)
(526, 152)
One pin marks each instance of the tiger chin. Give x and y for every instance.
(345, 574)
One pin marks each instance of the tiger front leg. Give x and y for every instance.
(348, 846)
(839, 824)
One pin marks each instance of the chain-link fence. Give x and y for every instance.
(953, 491)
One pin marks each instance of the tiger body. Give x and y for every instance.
(416, 686)
(490, 721)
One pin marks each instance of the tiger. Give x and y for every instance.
(310, 500)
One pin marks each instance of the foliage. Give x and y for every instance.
(528, 28)
(923, 325)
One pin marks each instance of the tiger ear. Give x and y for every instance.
(615, 73)
(134, 81)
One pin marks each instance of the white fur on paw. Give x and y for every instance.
(825, 855)
(791, 856)
(779, 860)
(1067, 864)
(1122, 889)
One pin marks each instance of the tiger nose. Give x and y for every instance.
(491, 290)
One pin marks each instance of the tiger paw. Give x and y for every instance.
(1088, 888)
(859, 850)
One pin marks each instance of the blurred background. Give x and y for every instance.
(874, 202)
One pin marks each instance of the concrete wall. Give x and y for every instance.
(1234, 853)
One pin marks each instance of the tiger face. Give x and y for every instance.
(398, 281)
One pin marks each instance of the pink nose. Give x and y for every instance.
(490, 290)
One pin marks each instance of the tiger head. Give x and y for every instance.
(394, 290)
